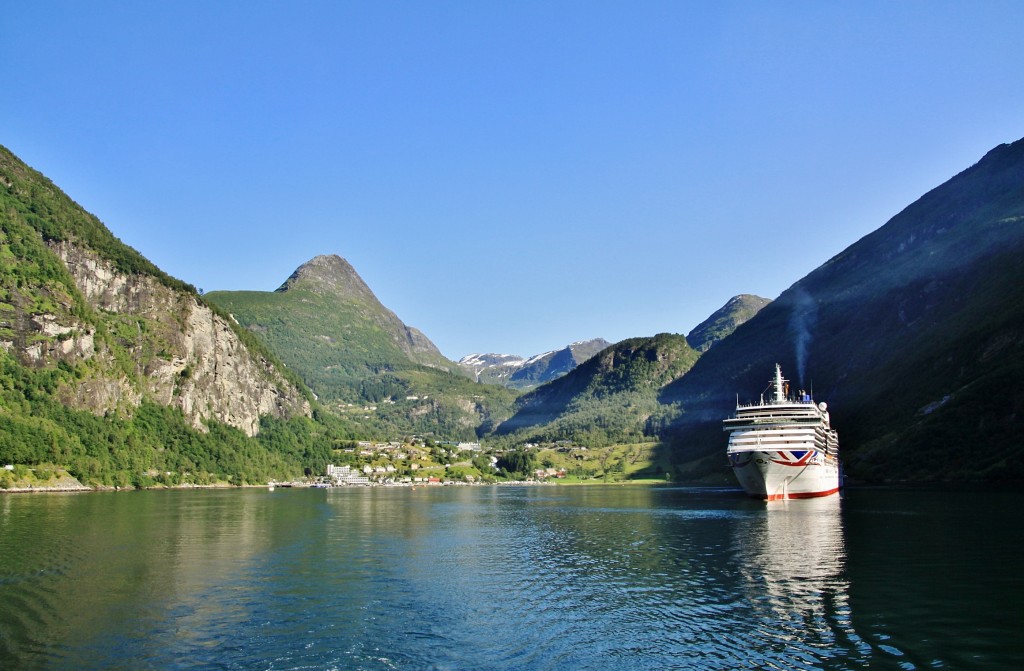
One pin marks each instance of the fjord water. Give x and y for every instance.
(510, 578)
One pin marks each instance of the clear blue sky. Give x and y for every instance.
(508, 176)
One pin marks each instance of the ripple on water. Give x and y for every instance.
(35, 564)
(541, 578)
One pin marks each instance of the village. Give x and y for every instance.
(422, 462)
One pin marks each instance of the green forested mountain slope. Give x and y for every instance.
(118, 372)
(330, 328)
(914, 335)
(361, 360)
(610, 398)
(725, 320)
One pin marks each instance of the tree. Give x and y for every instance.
(519, 462)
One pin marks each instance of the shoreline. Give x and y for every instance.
(83, 489)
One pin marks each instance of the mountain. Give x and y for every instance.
(520, 373)
(724, 321)
(360, 359)
(613, 398)
(914, 335)
(330, 328)
(610, 398)
(332, 277)
(113, 369)
(486, 364)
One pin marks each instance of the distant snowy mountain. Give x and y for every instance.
(478, 362)
(514, 371)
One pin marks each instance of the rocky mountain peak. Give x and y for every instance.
(338, 309)
(329, 274)
(725, 320)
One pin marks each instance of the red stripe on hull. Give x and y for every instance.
(800, 495)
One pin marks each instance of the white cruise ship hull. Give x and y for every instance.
(785, 474)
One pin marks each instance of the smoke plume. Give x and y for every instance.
(801, 321)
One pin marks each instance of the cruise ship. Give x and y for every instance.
(785, 447)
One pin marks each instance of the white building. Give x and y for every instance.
(344, 475)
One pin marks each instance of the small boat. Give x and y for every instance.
(784, 448)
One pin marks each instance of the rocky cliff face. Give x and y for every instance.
(181, 353)
(120, 374)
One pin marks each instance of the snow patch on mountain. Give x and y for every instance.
(490, 360)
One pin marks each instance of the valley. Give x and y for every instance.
(116, 375)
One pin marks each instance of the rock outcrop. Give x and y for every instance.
(182, 353)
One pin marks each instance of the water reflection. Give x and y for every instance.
(792, 559)
(507, 578)
(168, 574)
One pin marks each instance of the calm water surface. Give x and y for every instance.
(510, 578)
